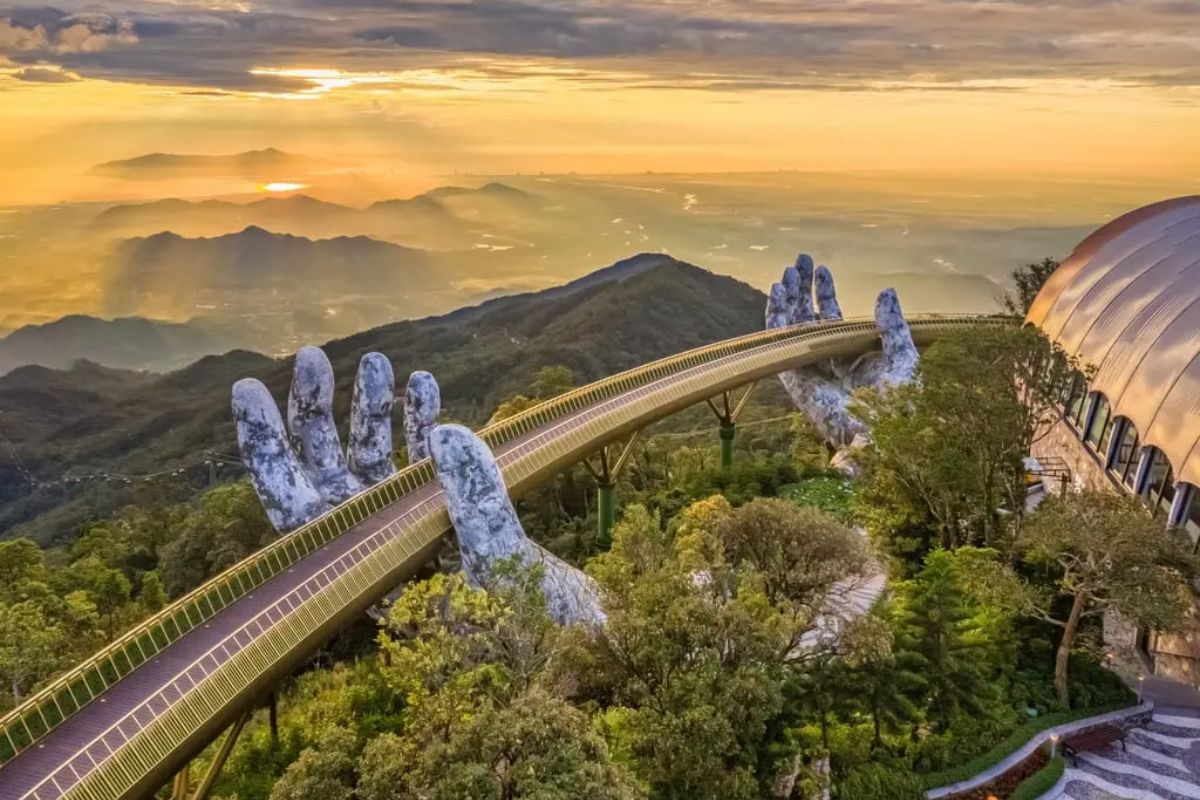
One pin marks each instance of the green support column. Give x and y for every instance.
(727, 431)
(605, 473)
(606, 495)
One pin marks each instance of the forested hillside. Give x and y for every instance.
(60, 426)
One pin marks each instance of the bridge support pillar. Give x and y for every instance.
(606, 502)
(218, 762)
(182, 785)
(727, 414)
(273, 716)
(727, 431)
(610, 461)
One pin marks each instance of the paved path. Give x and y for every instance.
(1159, 762)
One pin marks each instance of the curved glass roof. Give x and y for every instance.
(1127, 302)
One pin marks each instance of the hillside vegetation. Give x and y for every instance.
(85, 421)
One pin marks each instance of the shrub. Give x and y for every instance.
(1041, 781)
(833, 495)
(877, 782)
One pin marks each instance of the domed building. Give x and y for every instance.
(1127, 304)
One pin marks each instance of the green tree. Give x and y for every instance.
(1028, 281)
(21, 564)
(949, 449)
(942, 618)
(511, 407)
(109, 588)
(538, 747)
(551, 381)
(888, 677)
(705, 619)
(323, 772)
(151, 594)
(224, 526)
(1109, 554)
(32, 646)
(798, 553)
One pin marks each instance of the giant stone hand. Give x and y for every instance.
(301, 473)
(823, 392)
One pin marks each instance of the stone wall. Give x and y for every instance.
(1174, 656)
(1062, 443)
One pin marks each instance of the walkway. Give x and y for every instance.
(1161, 761)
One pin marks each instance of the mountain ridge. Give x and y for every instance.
(134, 343)
(156, 423)
(248, 162)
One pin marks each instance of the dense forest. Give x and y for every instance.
(723, 670)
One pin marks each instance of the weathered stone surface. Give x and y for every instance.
(422, 405)
(899, 353)
(297, 478)
(827, 302)
(370, 454)
(778, 311)
(489, 530)
(288, 470)
(823, 393)
(824, 402)
(310, 422)
(287, 494)
(798, 282)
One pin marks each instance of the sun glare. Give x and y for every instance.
(281, 186)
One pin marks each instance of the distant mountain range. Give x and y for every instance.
(259, 275)
(128, 343)
(446, 218)
(95, 418)
(262, 164)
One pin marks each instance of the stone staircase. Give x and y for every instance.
(1161, 762)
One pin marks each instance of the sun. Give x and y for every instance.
(282, 186)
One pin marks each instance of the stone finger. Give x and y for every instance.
(778, 313)
(827, 302)
(310, 422)
(803, 308)
(422, 405)
(370, 450)
(282, 485)
(899, 353)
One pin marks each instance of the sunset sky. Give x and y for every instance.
(389, 94)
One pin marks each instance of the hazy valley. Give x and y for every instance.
(270, 271)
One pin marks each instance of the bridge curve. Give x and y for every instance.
(123, 722)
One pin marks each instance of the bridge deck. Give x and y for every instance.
(30, 767)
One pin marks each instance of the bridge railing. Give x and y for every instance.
(43, 711)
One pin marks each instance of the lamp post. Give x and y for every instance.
(1053, 744)
(1141, 686)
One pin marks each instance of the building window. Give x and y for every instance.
(1160, 485)
(1191, 515)
(1100, 429)
(1076, 404)
(1125, 463)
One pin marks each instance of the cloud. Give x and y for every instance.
(45, 75)
(54, 32)
(726, 44)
